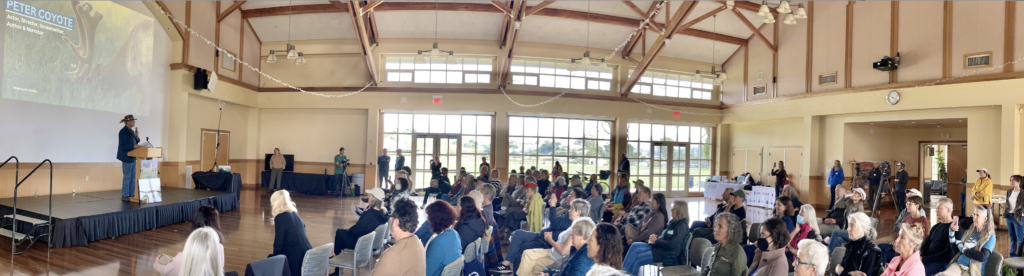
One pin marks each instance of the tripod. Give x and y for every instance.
(884, 187)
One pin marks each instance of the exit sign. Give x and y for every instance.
(437, 100)
(945, 135)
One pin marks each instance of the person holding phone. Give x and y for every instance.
(127, 140)
(780, 176)
(936, 250)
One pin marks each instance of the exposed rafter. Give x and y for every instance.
(534, 9)
(512, 35)
(639, 32)
(230, 10)
(359, 23)
(369, 6)
(671, 27)
(756, 31)
(488, 8)
(501, 6)
(504, 30)
(642, 14)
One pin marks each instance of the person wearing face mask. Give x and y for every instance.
(908, 245)
(770, 255)
(806, 229)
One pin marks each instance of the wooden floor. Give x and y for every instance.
(249, 237)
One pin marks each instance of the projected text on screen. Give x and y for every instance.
(94, 54)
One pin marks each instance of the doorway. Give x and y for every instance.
(425, 146)
(208, 149)
(670, 169)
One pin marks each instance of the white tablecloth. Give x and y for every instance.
(761, 196)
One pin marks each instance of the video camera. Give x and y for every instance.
(886, 168)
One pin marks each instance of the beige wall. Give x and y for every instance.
(829, 39)
(978, 26)
(314, 134)
(761, 61)
(732, 89)
(871, 36)
(792, 46)
(920, 40)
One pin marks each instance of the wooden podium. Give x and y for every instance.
(141, 154)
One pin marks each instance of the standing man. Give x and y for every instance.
(383, 161)
(340, 162)
(624, 165)
(399, 161)
(276, 170)
(900, 187)
(483, 162)
(127, 140)
(874, 180)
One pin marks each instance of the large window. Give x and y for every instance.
(673, 85)
(459, 141)
(467, 69)
(556, 74)
(665, 155)
(579, 145)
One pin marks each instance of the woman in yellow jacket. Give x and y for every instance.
(981, 193)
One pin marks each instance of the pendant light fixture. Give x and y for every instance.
(800, 12)
(585, 62)
(290, 52)
(434, 52)
(786, 12)
(716, 75)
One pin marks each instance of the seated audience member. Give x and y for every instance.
(722, 207)
(474, 191)
(630, 224)
(579, 262)
(794, 197)
(604, 247)
(619, 197)
(669, 248)
(438, 187)
(407, 256)
(543, 183)
(913, 213)
(785, 211)
(596, 203)
(508, 190)
(535, 260)
(907, 244)
(638, 185)
(603, 270)
(373, 217)
(736, 208)
(522, 240)
(862, 257)
(805, 229)
(811, 259)
(770, 255)
(654, 223)
(975, 246)
(841, 195)
(591, 182)
(467, 186)
(836, 219)
(563, 198)
(515, 217)
(205, 216)
(558, 188)
(487, 209)
(443, 247)
(289, 231)
(456, 191)
(470, 225)
(730, 259)
(936, 250)
(496, 182)
(204, 254)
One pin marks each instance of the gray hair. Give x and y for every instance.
(735, 234)
(531, 179)
(581, 205)
(604, 270)
(680, 209)
(560, 180)
(863, 222)
(946, 201)
(583, 227)
(791, 192)
(488, 190)
(203, 254)
(816, 254)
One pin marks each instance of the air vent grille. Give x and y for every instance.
(761, 89)
(828, 78)
(978, 60)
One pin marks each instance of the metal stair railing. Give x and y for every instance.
(14, 216)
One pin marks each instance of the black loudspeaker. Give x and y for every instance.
(200, 79)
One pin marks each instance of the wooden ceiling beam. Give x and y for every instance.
(369, 6)
(642, 15)
(756, 31)
(504, 30)
(487, 8)
(671, 28)
(631, 45)
(518, 13)
(534, 9)
(500, 6)
(230, 10)
(362, 33)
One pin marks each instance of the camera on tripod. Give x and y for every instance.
(886, 168)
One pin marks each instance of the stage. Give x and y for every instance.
(81, 218)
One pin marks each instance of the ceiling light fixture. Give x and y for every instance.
(290, 52)
(786, 12)
(730, 4)
(585, 62)
(716, 75)
(435, 52)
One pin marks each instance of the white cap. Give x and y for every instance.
(377, 193)
(982, 169)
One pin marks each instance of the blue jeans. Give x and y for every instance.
(1016, 231)
(935, 268)
(521, 241)
(697, 225)
(837, 240)
(128, 183)
(639, 255)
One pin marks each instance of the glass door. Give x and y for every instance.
(669, 171)
(446, 147)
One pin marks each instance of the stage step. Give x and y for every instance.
(15, 236)
(33, 221)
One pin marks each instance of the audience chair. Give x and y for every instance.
(484, 245)
(315, 261)
(354, 259)
(273, 266)
(746, 226)
(874, 223)
(1015, 262)
(695, 256)
(380, 237)
(454, 268)
(994, 266)
(754, 233)
(837, 256)
(472, 250)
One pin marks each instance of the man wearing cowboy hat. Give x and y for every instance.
(127, 140)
